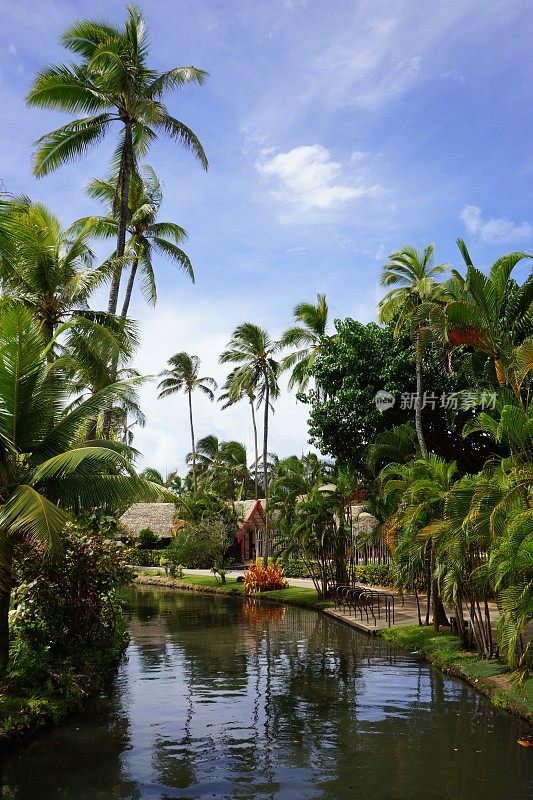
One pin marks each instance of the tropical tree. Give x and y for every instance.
(153, 475)
(413, 275)
(490, 313)
(234, 390)
(47, 472)
(418, 490)
(112, 82)
(252, 351)
(221, 466)
(183, 376)
(307, 336)
(146, 236)
(51, 270)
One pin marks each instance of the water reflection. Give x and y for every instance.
(231, 699)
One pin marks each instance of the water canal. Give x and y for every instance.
(223, 698)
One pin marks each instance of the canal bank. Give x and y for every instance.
(442, 649)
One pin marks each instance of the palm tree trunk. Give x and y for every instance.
(193, 451)
(124, 178)
(418, 399)
(126, 167)
(6, 582)
(129, 288)
(256, 451)
(265, 470)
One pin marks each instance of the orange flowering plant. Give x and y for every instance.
(262, 579)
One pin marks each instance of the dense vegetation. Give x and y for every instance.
(446, 468)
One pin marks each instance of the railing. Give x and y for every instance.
(367, 601)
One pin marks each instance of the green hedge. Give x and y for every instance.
(145, 558)
(377, 574)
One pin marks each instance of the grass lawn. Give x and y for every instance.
(445, 651)
(293, 594)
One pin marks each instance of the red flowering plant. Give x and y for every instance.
(263, 579)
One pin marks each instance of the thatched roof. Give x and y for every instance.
(157, 516)
(362, 519)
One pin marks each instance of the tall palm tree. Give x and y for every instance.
(46, 471)
(307, 336)
(183, 377)
(413, 275)
(112, 82)
(146, 236)
(234, 391)
(252, 351)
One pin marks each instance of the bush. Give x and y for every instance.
(202, 544)
(147, 539)
(67, 610)
(261, 579)
(294, 567)
(145, 558)
(376, 574)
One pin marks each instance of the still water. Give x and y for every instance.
(223, 698)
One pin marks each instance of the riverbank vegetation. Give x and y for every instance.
(423, 420)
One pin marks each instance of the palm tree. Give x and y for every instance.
(308, 336)
(46, 471)
(183, 376)
(111, 83)
(419, 489)
(490, 313)
(49, 269)
(147, 236)
(222, 466)
(413, 274)
(252, 350)
(235, 390)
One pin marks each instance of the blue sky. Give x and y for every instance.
(336, 130)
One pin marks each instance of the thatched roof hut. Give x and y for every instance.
(157, 516)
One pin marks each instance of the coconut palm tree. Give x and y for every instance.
(221, 466)
(49, 269)
(413, 275)
(252, 351)
(46, 471)
(146, 236)
(112, 82)
(307, 336)
(235, 390)
(183, 377)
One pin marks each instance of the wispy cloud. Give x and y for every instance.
(495, 230)
(307, 178)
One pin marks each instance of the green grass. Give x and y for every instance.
(293, 594)
(492, 678)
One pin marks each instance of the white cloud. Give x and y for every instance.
(306, 178)
(495, 230)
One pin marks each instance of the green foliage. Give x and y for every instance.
(202, 544)
(375, 574)
(67, 609)
(147, 539)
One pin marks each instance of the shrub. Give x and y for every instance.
(263, 579)
(294, 567)
(147, 539)
(202, 544)
(68, 610)
(376, 574)
(144, 558)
